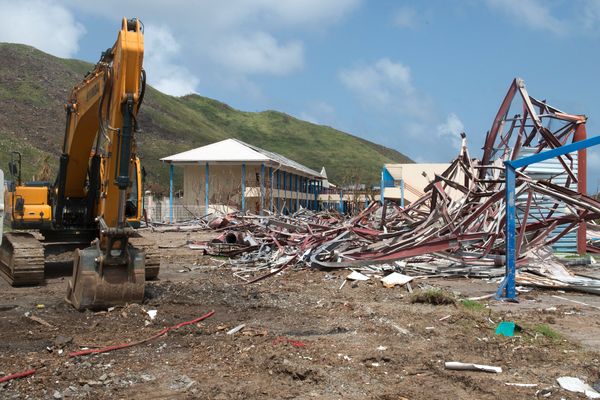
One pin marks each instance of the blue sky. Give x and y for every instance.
(406, 74)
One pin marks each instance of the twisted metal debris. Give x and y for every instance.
(456, 228)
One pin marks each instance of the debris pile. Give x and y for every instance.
(456, 228)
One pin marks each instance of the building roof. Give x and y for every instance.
(415, 170)
(235, 151)
(326, 183)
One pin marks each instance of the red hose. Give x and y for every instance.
(17, 375)
(125, 345)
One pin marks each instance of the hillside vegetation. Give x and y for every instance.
(34, 86)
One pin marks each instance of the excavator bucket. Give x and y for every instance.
(101, 281)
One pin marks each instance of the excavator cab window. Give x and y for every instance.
(14, 166)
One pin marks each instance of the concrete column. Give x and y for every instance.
(262, 188)
(297, 195)
(243, 187)
(271, 183)
(171, 172)
(306, 190)
(278, 196)
(284, 206)
(206, 188)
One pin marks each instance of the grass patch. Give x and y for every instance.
(434, 296)
(472, 305)
(546, 331)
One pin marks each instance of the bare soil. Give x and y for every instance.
(304, 337)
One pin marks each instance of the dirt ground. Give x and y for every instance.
(304, 338)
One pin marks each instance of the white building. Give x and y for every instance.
(231, 174)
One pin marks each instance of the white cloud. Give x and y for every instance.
(590, 15)
(387, 86)
(451, 128)
(259, 53)
(534, 14)
(237, 38)
(408, 117)
(45, 25)
(405, 17)
(160, 49)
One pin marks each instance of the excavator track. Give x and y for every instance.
(152, 258)
(22, 259)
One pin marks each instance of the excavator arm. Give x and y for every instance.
(97, 172)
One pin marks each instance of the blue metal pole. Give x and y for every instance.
(284, 192)
(402, 192)
(206, 188)
(507, 287)
(559, 151)
(278, 192)
(243, 187)
(271, 182)
(306, 192)
(297, 195)
(316, 186)
(262, 188)
(171, 172)
(341, 203)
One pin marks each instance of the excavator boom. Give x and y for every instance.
(111, 271)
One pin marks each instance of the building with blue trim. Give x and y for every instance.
(232, 174)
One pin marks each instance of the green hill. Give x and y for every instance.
(34, 86)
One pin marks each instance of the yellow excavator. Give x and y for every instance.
(96, 201)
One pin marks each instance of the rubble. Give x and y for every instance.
(456, 229)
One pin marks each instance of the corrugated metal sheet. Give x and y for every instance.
(550, 169)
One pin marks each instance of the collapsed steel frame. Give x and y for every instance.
(460, 226)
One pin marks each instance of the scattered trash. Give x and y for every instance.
(576, 385)
(236, 329)
(523, 385)
(506, 328)
(152, 314)
(40, 321)
(394, 279)
(456, 365)
(357, 276)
